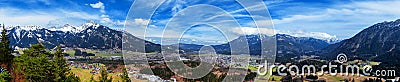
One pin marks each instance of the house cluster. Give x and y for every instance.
(95, 67)
(151, 78)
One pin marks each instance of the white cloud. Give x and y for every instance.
(250, 31)
(119, 22)
(104, 17)
(97, 5)
(295, 18)
(81, 15)
(141, 22)
(12, 16)
(318, 35)
(47, 2)
(343, 20)
(28, 20)
(178, 5)
(48, 18)
(106, 20)
(137, 27)
(222, 21)
(267, 31)
(191, 15)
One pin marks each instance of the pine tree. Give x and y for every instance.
(62, 71)
(5, 76)
(5, 50)
(104, 76)
(92, 79)
(71, 78)
(35, 64)
(60, 65)
(125, 75)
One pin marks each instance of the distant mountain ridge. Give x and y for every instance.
(285, 44)
(157, 40)
(95, 36)
(373, 41)
(89, 35)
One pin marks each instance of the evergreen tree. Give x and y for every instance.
(35, 64)
(71, 78)
(104, 76)
(92, 79)
(5, 76)
(125, 75)
(5, 50)
(61, 68)
(62, 71)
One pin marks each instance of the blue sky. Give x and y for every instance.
(322, 19)
(60, 12)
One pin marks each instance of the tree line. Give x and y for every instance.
(37, 64)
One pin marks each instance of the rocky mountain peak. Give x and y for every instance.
(373, 41)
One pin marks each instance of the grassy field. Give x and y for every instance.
(252, 68)
(85, 75)
(332, 78)
(276, 78)
(337, 78)
(70, 52)
(104, 54)
(374, 63)
(99, 53)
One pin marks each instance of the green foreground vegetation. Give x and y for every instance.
(37, 64)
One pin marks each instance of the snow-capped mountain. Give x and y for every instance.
(376, 40)
(170, 41)
(70, 28)
(167, 41)
(285, 44)
(333, 41)
(96, 36)
(88, 35)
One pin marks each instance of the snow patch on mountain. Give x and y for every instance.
(268, 31)
(75, 29)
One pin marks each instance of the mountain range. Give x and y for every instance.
(95, 36)
(378, 39)
(89, 35)
(378, 42)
